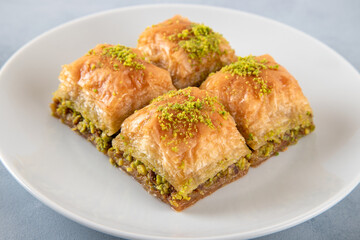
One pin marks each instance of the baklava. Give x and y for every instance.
(105, 86)
(181, 147)
(266, 101)
(189, 51)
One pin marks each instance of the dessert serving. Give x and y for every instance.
(266, 102)
(189, 51)
(182, 144)
(181, 147)
(99, 90)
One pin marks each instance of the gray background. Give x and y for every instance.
(336, 23)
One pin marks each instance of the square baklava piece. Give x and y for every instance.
(266, 101)
(188, 50)
(181, 147)
(105, 86)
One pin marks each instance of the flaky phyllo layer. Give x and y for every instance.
(185, 136)
(265, 100)
(109, 83)
(189, 51)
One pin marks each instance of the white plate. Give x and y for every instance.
(68, 174)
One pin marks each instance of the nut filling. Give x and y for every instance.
(151, 182)
(63, 109)
(160, 188)
(273, 147)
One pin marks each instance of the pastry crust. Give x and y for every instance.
(185, 136)
(109, 83)
(266, 104)
(155, 185)
(189, 51)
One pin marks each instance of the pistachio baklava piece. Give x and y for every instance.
(181, 147)
(105, 86)
(189, 51)
(266, 101)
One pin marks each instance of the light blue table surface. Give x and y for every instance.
(336, 23)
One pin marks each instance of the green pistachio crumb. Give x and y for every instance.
(173, 203)
(141, 169)
(120, 162)
(159, 179)
(82, 126)
(137, 163)
(250, 137)
(245, 66)
(198, 41)
(128, 158)
(133, 165)
(179, 119)
(124, 55)
(77, 119)
(92, 127)
(249, 66)
(276, 66)
(112, 161)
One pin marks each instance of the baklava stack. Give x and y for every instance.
(189, 51)
(100, 90)
(266, 102)
(184, 144)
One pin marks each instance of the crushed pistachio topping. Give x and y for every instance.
(250, 137)
(179, 119)
(199, 41)
(249, 66)
(124, 55)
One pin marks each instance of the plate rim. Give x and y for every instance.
(123, 233)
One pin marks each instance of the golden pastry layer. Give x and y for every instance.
(189, 51)
(184, 136)
(109, 83)
(265, 100)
